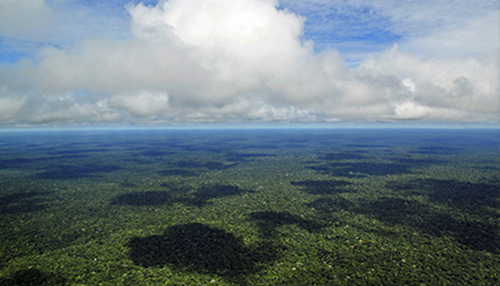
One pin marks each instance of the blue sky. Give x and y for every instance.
(357, 29)
(121, 62)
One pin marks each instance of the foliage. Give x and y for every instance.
(301, 207)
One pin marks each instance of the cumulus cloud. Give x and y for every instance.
(10, 104)
(141, 104)
(237, 61)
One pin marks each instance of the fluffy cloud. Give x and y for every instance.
(10, 105)
(237, 61)
(141, 104)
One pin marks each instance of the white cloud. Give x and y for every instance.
(25, 19)
(64, 110)
(411, 110)
(141, 104)
(479, 34)
(10, 104)
(464, 83)
(238, 61)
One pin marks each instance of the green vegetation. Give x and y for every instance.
(262, 208)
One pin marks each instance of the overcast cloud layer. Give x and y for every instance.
(204, 61)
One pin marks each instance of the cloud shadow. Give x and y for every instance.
(436, 150)
(202, 195)
(320, 187)
(198, 165)
(196, 198)
(269, 221)
(245, 157)
(477, 235)
(349, 155)
(76, 151)
(341, 164)
(20, 163)
(471, 197)
(25, 202)
(196, 247)
(32, 277)
(63, 172)
(177, 172)
(149, 198)
(369, 169)
(327, 205)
